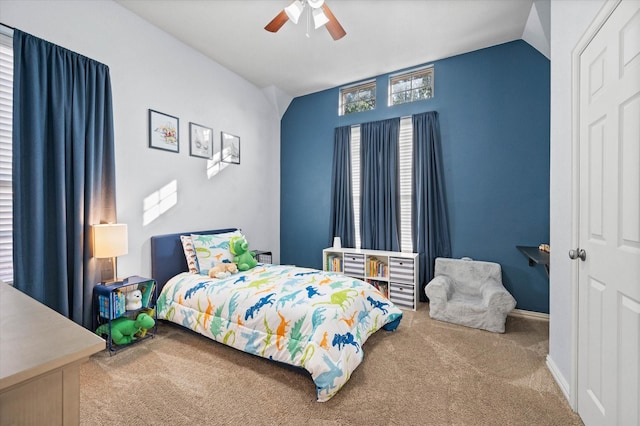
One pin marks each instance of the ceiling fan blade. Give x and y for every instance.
(333, 26)
(277, 22)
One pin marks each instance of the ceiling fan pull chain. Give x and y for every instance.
(308, 20)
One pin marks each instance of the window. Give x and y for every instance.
(412, 86)
(361, 97)
(405, 155)
(405, 148)
(355, 180)
(6, 117)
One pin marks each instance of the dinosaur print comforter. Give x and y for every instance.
(303, 317)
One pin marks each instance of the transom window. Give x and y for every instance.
(412, 86)
(361, 97)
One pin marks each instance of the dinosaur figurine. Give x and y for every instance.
(124, 330)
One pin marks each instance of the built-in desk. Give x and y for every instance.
(40, 356)
(535, 256)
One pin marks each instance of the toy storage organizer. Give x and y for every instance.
(394, 274)
(109, 305)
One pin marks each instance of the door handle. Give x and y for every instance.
(578, 253)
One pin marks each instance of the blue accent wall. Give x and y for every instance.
(494, 108)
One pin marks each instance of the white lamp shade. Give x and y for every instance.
(319, 18)
(315, 3)
(110, 240)
(294, 10)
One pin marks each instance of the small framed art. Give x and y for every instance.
(200, 141)
(230, 148)
(163, 131)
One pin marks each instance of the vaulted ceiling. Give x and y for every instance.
(382, 36)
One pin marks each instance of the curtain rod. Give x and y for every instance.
(6, 29)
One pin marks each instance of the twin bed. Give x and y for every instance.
(303, 317)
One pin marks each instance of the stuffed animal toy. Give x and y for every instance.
(133, 300)
(124, 330)
(223, 270)
(239, 248)
(143, 330)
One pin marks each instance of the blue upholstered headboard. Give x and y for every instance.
(167, 256)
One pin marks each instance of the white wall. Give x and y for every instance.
(569, 21)
(150, 69)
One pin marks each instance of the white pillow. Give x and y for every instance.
(213, 249)
(189, 253)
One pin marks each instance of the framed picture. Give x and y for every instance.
(230, 148)
(200, 141)
(163, 131)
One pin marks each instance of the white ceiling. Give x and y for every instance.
(382, 36)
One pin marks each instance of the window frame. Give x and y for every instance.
(356, 89)
(411, 75)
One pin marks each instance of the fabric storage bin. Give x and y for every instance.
(401, 270)
(354, 264)
(402, 295)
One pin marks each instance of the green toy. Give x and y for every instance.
(124, 330)
(239, 248)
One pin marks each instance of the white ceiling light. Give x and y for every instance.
(319, 18)
(315, 3)
(294, 10)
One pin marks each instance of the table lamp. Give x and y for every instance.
(110, 241)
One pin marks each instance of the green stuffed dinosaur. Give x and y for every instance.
(124, 330)
(239, 248)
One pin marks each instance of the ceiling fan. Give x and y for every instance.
(322, 15)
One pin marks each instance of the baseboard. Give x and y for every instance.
(529, 314)
(560, 380)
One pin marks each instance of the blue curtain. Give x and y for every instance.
(429, 218)
(342, 220)
(380, 204)
(63, 172)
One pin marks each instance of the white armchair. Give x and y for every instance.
(469, 293)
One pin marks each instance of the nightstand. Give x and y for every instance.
(263, 256)
(110, 305)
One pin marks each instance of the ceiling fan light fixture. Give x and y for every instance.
(319, 18)
(322, 17)
(315, 4)
(294, 10)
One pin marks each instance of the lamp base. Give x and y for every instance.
(114, 276)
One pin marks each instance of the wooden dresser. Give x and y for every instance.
(40, 356)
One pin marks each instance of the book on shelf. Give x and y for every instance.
(147, 288)
(119, 303)
(384, 289)
(334, 263)
(104, 305)
(377, 268)
(381, 286)
(112, 304)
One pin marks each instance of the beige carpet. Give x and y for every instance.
(425, 373)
